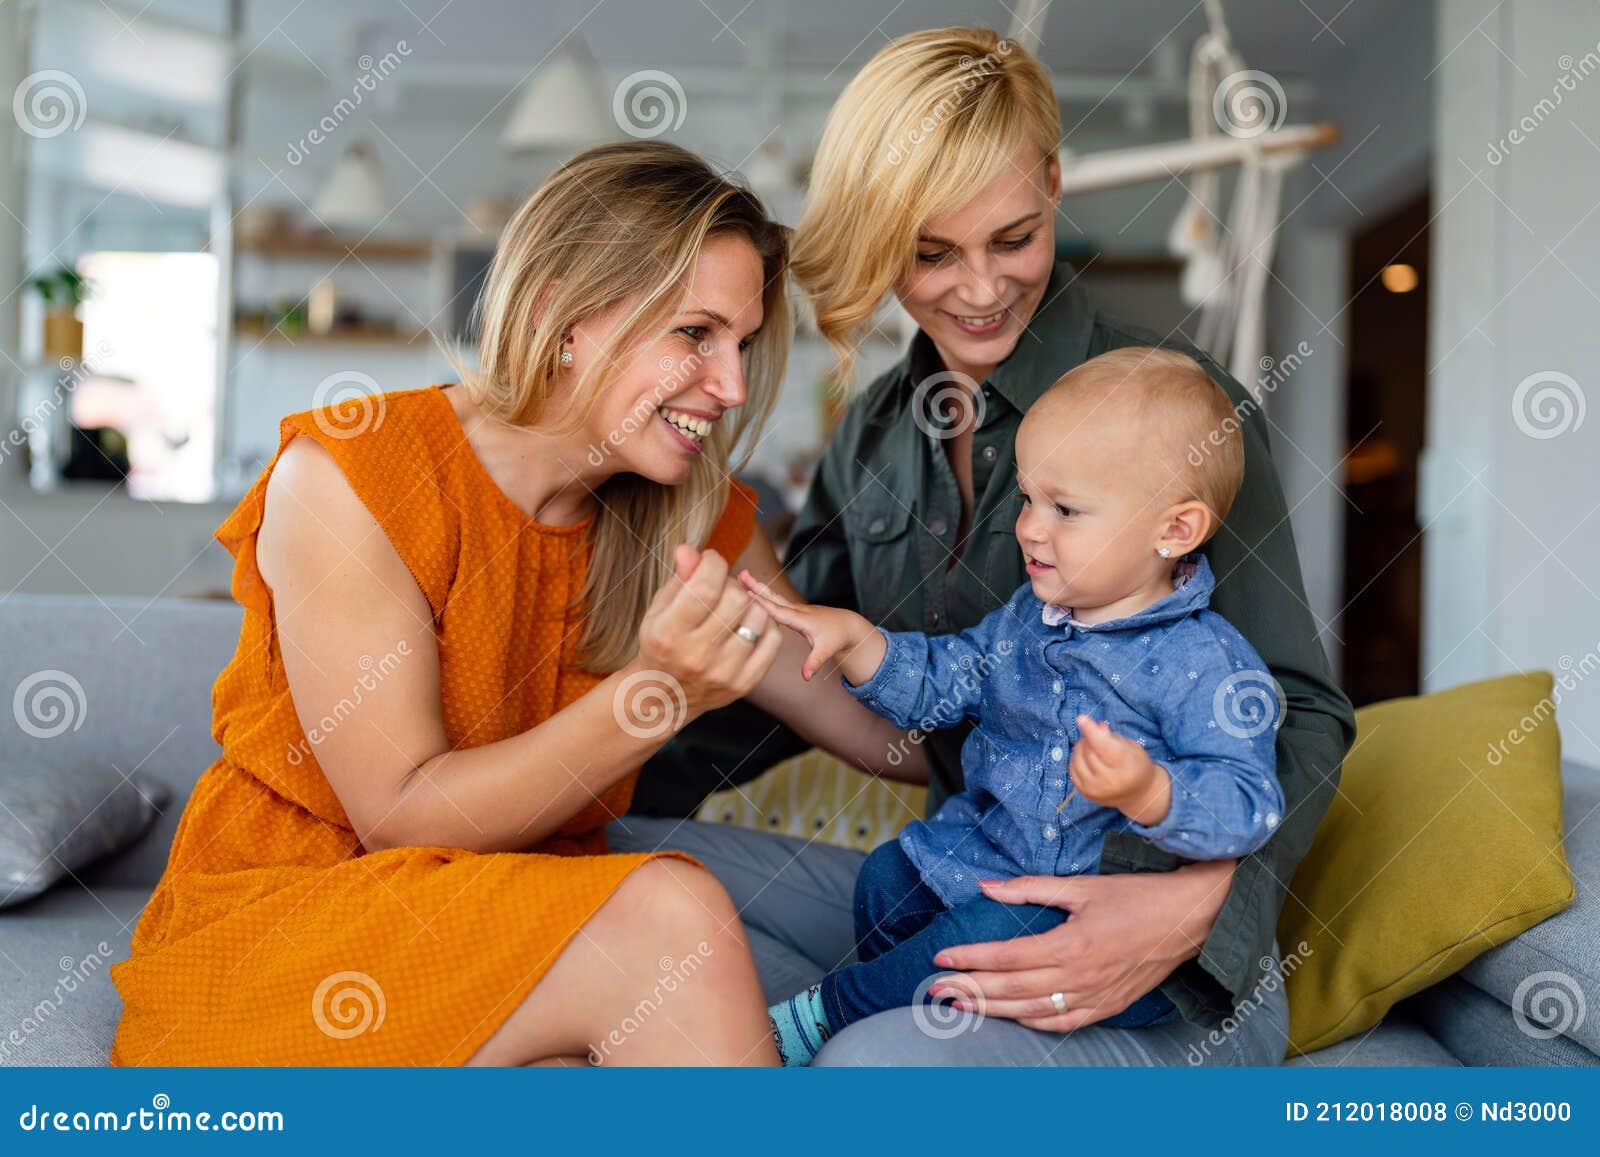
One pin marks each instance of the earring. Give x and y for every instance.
(1164, 552)
(566, 357)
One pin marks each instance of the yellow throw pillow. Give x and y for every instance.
(818, 797)
(1443, 840)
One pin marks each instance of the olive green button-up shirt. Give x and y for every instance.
(877, 532)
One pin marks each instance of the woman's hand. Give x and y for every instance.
(1125, 936)
(830, 631)
(689, 633)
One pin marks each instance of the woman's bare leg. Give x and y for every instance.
(660, 975)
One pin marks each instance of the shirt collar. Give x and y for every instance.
(1056, 339)
(1195, 583)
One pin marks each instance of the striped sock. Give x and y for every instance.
(800, 1027)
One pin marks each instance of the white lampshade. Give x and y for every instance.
(562, 108)
(355, 196)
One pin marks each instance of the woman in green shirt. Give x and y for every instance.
(937, 180)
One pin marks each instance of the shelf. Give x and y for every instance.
(348, 335)
(372, 249)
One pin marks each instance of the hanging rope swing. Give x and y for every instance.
(1236, 117)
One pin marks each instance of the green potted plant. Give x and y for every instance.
(61, 289)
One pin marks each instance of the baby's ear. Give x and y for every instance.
(1188, 526)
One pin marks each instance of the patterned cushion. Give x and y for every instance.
(816, 796)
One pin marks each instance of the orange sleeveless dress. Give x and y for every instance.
(273, 938)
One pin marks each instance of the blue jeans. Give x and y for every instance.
(901, 924)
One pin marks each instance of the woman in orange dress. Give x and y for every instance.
(471, 613)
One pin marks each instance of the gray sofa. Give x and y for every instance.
(147, 671)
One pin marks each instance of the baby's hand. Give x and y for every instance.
(1116, 772)
(829, 630)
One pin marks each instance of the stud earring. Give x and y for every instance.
(566, 357)
(1164, 552)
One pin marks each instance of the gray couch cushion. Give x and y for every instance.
(56, 821)
(1552, 971)
(146, 669)
(1480, 1030)
(57, 1003)
(1398, 1041)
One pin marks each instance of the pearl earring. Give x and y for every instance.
(566, 357)
(1164, 552)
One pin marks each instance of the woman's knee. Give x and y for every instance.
(679, 899)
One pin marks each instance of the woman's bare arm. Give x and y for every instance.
(821, 711)
(345, 603)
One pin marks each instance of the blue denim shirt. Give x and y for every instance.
(1175, 678)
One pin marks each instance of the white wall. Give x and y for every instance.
(1512, 555)
(1383, 106)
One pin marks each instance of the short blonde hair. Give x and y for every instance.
(1183, 418)
(624, 223)
(921, 129)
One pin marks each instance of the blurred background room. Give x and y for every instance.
(217, 212)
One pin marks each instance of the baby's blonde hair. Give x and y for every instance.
(1181, 417)
(920, 130)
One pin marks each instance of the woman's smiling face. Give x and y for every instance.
(673, 390)
(981, 271)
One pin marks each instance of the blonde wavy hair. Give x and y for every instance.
(623, 224)
(927, 123)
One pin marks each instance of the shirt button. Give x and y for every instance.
(1056, 687)
(939, 527)
(990, 453)
(1049, 831)
(1055, 754)
(877, 526)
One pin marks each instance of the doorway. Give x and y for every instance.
(1385, 422)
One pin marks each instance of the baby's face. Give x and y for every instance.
(1091, 518)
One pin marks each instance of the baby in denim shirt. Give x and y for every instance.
(1106, 695)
